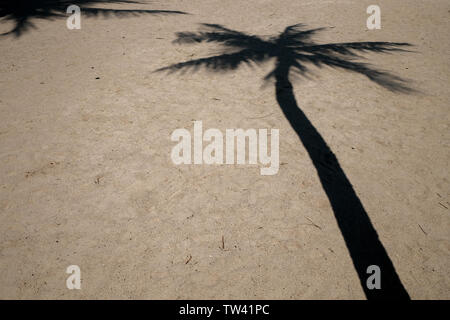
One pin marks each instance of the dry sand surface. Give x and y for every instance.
(86, 176)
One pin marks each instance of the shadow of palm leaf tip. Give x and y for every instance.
(21, 12)
(294, 52)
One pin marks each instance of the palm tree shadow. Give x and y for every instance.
(294, 51)
(21, 12)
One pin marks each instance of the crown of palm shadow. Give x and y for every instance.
(21, 12)
(293, 50)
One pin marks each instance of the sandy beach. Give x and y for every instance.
(87, 179)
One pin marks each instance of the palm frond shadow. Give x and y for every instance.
(294, 52)
(22, 12)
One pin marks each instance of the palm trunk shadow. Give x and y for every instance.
(361, 238)
(293, 50)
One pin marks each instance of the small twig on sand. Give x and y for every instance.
(262, 116)
(422, 229)
(189, 259)
(315, 225)
(443, 205)
(223, 243)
